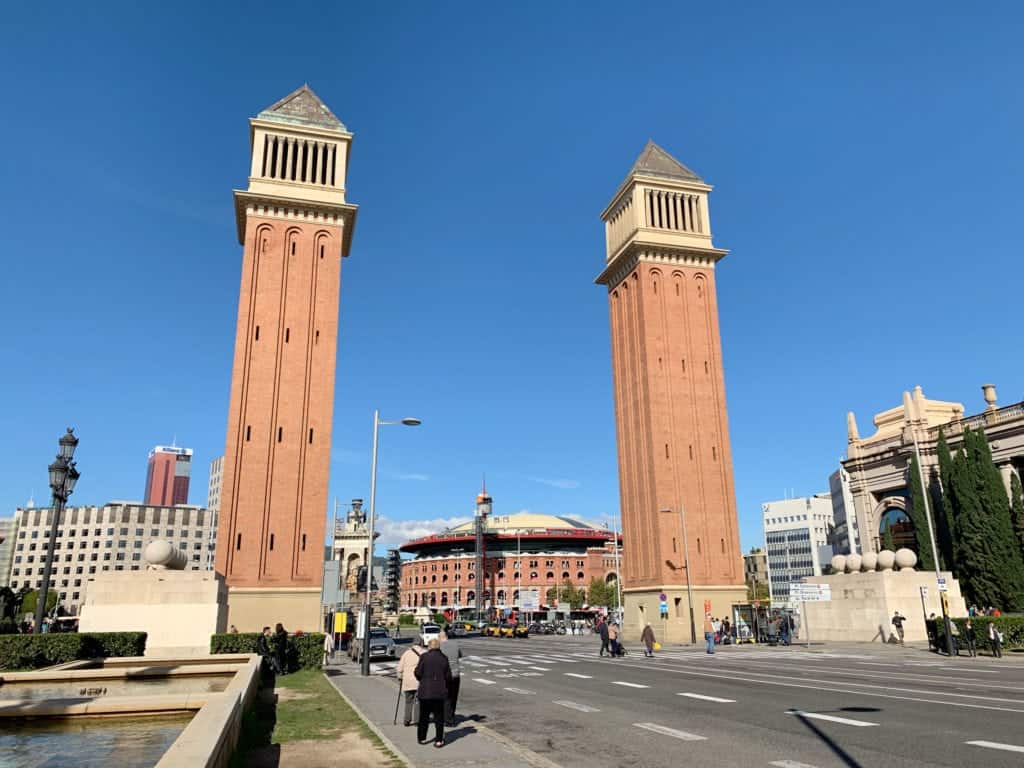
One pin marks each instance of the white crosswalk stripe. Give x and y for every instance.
(663, 729)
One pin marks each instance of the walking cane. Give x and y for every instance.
(397, 703)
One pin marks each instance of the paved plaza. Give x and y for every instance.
(823, 707)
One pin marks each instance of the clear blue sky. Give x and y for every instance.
(867, 165)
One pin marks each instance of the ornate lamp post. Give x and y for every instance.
(63, 476)
(484, 504)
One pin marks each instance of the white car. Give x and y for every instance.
(429, 632)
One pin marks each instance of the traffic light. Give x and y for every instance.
(361, 579)
(393, 579)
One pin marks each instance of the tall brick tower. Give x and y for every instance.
(670, 415)
(294, 226)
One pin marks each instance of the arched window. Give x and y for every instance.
(501, 596)
(444, 598)
(533, 575)
(445, 577)
(565, 575)
(550, 576)
(433, 598)
(471, 596)
(898, 523)
(501, 575)
(516, 575)
(580, 576)
(433, 579)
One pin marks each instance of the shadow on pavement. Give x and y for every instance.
(837, 750)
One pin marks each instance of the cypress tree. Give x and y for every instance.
(987, 552)
(888, 542)
(1017, 509)
(942, 504)
(915, 509)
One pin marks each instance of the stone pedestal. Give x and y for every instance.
(642, 605)
(297, 608)
(863, 604)
(178, 609)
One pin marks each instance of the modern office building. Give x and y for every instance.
(846, 535)
(167, 476)
(675, 462)
(7, 538)
(295, 227)
(755, 568)
(796, 535)
(213, 503)
(107, 538)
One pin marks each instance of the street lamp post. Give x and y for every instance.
(63, 476)
(935, 554)
(618, 575)
(484, 504)
(377, 423)
(686, 564)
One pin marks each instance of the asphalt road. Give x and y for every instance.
(745, 706)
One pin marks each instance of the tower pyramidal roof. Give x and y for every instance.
(303, 107)
(655, 161)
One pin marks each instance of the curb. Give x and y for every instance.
(533, 758)
(372, 726)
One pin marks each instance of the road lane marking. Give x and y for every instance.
(664, 729)
(508, 674)
(483, 681)
(573, 674)
(830, 718)
(996, 745)
(541, 669)
(707, 698)
(630, 685)
(531, 674)
(791, 764)
(521, 691)
(574, 705)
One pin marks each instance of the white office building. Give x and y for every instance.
(846, 537)
(796, 535)
(93, 539)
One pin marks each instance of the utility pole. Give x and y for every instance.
(484, 504)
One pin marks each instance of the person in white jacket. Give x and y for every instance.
(405, 672)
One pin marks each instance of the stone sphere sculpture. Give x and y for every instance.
(905, 559)
(162, 555)
(838, 563)
(853, 563)
(886, 560)
(869, 561)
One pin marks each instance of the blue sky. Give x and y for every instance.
(867, 167)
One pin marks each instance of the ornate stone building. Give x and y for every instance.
(877, 465)
(295, 226)
(670, 413)
(351, 545)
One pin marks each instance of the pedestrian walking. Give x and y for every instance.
(709, 633)
(613, 639)
(647, 638)
(784, 629)
(897, 621)
(435, 677)
(967, 637)
(602, 630)
(281, 648)
(265, 652)
(328, 648)
(406, 674)
(995, 640)
(453, 652)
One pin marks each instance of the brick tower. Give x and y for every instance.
(294, 226)
(670, 415)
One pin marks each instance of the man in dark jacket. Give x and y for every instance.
(602, 630)
(435, 676)
(263, 649)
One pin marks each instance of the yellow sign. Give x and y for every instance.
(341, 622)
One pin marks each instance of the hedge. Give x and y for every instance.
(1012, 628)
(305, 651)
(45, 650)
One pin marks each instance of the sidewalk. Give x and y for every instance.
(467, 744)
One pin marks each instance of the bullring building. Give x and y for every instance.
(521, 551)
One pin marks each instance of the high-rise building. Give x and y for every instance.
(846, 537)
(167, 476)
(108, 538)
(675, 461)
(8, 530)
(796, 535)
(294, 225)
(213, 503)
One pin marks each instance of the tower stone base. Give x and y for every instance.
(297, 608)
(642, 605)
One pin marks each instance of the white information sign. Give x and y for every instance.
(810, 593)
(529, 600)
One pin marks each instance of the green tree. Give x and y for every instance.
(888, 542)
(566, 593)
(988, 556)
(943, 505)
(757, 590)
(28, 605)
(602, 593)
(915, 509)
(1017, 509)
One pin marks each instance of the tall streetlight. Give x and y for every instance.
(484, 505)
(935, 554)
(63, 476)
(686, 564)
(377, 422)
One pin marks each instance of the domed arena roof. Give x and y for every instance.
(527, 521)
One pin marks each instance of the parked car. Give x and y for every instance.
(429, 632)
(381, 644)
(458, 630)
(506, 630)
(521, 630)
(492, 630)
